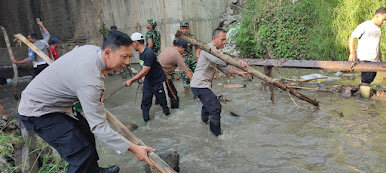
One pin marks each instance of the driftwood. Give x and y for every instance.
(34, 48)
(15, 72)
(154, 158)
(250, 70)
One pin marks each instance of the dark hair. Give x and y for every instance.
(33, 35)
(113, 27)
(381, 11)
(3, 81)
(115, 39)
(217, 30)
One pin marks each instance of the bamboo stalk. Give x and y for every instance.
(15, 72)
(236, 63)
(154, 158)
(316, 89)
(34, 48)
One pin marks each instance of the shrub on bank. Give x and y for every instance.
(306, 29)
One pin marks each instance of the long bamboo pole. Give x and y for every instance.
(157, 161)
(34, 48)
(248, 69)
(15, 72)
(154, 158)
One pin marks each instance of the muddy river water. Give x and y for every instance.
(342, 135)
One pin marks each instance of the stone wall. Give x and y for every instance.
(82, 21)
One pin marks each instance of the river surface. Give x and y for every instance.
(342, 135)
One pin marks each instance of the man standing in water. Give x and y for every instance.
(169, 59)
(201, 83)
(46, 104)
(153, 37)
(38, 63)
(369, 34)
(154, 77)
(190, 60)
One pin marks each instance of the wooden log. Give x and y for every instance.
(34, 48)
(268, 72)
(154, 158)
(236, 63)
(15, 72)
(324, 65)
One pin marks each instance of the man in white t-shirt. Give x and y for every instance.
(368, 34)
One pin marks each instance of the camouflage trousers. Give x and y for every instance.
(190, 62)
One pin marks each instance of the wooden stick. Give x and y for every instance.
(116, 90)
(298, 87)
(34, 48)
(236, 63)
(15, 72)
(154, 158)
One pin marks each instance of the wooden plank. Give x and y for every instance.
(324, 65)
(34, 48)
(250, 70)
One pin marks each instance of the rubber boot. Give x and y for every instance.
(166, 110)
(145, 115)
(215, 127)
(111, 169)
(174, 103)
(204, 117)
(365, 91)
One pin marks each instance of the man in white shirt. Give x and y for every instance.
(369, 35)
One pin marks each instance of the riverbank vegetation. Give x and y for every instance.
(305, 29)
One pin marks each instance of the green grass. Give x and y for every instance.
(308, 29)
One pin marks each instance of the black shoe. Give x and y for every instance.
(204, 118)
(111, 169)
(166, 110)
(145, 115)
(215, 128)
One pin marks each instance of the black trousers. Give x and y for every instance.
(39, 69)
(172, 93)
(210, 104)
(147, 97)
(368, 77)
(70, 137)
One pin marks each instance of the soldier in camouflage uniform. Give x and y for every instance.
(190, 59)
(153, 37)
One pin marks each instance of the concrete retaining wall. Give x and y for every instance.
(74, 20)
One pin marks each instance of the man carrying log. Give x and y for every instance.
(369, 35)
(201, 83)
(38, 63)
(169, 59)
(46, 103)
(190, 60)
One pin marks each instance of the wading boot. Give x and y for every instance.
(215, 127)
(205, 118)
(166, 110)
(111, 169)
(365, 90)
(145, 115)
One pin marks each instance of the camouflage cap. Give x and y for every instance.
(182, 24)
(152, 22)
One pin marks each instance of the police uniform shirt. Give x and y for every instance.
(76, 76)
(206, 68)
(156, 73)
